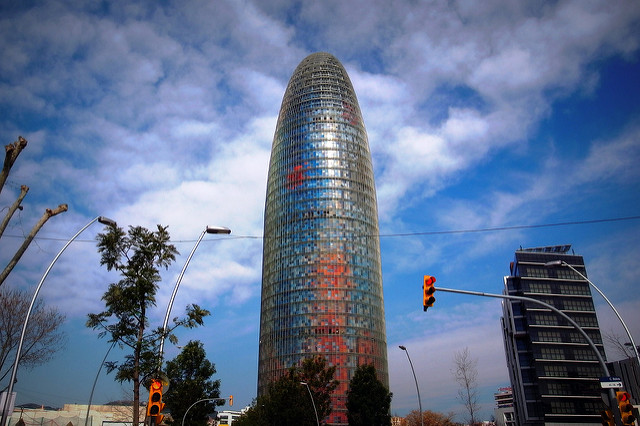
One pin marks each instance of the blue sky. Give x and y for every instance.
(480, 115)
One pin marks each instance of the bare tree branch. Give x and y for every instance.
(15, 206)
(11, 155)
(16, 257)
(620, 344)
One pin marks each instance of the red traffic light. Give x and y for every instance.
(626, 408)
(428, 289)
(155, 405)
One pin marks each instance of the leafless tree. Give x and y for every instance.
(43, 337)
(12, 151)
(466, 374)
(619, 344)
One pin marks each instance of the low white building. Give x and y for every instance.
(76, 414)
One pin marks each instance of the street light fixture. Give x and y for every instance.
(563, 263)
(101, 219)
(312, 402)
(416, 380)
(207, 230)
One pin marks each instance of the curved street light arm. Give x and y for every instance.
(312, 401)
(202, 400)
(416, 380)
(603, 364)
(101, 219)
(626, 329)
(207, 230)
(93, 388)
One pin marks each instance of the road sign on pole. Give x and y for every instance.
(610, 382)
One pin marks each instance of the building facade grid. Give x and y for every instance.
(322, 280)
(554, 372)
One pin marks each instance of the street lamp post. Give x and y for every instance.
(563, 263)
(214, 400)
(611, 393)
(416, 380)
(207, 230)
(312, 401)
(101, 219)
(93, 388)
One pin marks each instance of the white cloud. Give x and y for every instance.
(165, 114)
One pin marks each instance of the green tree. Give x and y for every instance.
(287, 401)
(189, 376)
(368, 399)
(138, 256)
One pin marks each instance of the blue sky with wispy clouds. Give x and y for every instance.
(480, 115)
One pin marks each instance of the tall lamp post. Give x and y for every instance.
(416, 380)
(93, 388)
(563, 263)
(312, 401)
(207, 230)
(5, 412)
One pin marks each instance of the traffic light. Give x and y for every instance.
(607, 418)
(626, 408)
(428, 289)
(231, 400)
(155, 405)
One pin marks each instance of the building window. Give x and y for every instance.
(578, 305)
(540, 287)
(574, 288)
(555, 371)
(567, 274)
(536, 271)
(545, 319)
(552, 353)
(549, 336)
(563, 407)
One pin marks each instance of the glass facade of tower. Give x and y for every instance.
(554, 371)
(322, 281)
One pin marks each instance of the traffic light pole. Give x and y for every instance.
(612, 395)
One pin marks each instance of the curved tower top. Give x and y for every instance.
(322, 280)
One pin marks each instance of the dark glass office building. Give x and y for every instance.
(321, 274)
(554, 372)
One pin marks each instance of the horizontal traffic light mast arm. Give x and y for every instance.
(603, 364)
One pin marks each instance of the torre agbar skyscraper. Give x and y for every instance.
(321, 274)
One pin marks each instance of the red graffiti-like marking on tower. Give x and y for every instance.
(295, 177)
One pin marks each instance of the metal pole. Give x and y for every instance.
(207, 230)
(603, 364)
(312, 401)
(86, 420)
(416, 380)
(101, 219)
(206, 399)
(626, 329)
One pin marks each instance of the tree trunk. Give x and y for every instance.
(11, 155)
(15, 206)
(16, 257)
